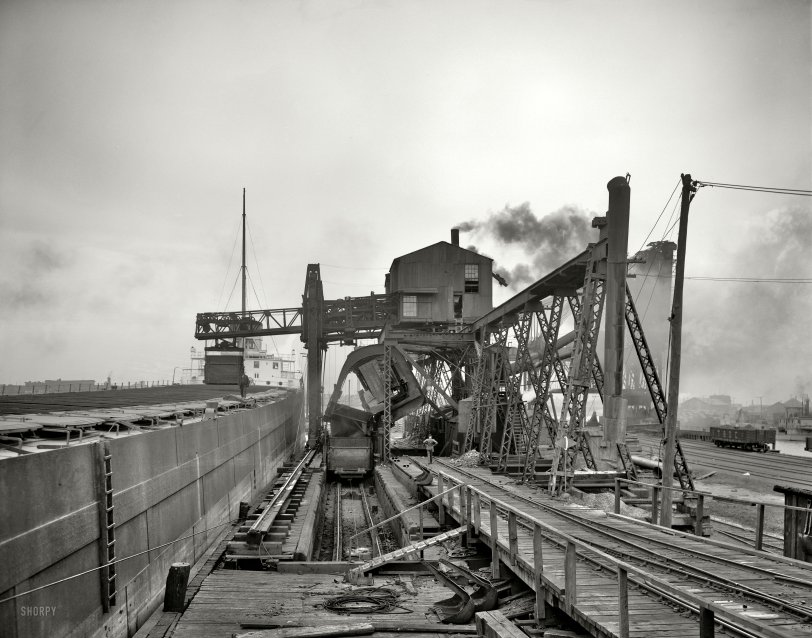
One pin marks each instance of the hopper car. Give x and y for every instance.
(354, 437)
(748, 439)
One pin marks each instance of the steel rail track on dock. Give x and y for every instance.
(532, 530)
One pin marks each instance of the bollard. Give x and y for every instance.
(176, 581)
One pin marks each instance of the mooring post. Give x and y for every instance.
(176, 581)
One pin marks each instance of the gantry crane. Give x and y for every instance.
(318, 322)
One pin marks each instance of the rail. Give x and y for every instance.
(264, 521)
(470, 506)
(700, 507)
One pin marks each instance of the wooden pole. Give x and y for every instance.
(688, 190)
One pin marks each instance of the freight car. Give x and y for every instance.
(749, 439)
(355, 436)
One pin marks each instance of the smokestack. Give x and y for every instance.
(455, 236)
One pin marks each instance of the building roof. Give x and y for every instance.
(439, 243)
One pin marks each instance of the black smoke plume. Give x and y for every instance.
(551, 240)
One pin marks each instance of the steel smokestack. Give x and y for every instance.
(455, 236)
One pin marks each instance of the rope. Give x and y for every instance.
(114, 562)
(367, 600)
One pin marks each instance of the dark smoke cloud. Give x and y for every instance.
(551, 240)
(752, 339)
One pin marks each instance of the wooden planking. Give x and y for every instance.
(226, 598)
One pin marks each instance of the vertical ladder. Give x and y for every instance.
(107, 528)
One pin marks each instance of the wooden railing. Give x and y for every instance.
(471, 501)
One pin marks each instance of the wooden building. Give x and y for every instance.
(441, 284)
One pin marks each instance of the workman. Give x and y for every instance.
(244, 383)
(429, 443)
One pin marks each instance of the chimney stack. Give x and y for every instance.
(455, 236)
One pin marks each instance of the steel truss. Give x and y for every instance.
(581, 373)
(540, 380)
(387, 403)
(655, 388)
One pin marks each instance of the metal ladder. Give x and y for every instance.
(107, 529)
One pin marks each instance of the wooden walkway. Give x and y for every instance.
(594, 601)
(228, 598)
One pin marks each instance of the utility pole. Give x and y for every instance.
(688, 191)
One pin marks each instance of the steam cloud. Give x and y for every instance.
(551, 240)
(751, 340)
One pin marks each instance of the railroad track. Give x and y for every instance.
(351, 512)
(771, 543)
(786, 469)
(774, 590)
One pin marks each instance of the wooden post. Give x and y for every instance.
(468, 517)
(700, 514)
(420, 519)
(538, 569)
(760, 526)
(477, 514)
(706, 621)
(570, 585)
(440, 506)
(617, 496)
(513, 537)
(463, 519)
(623, 601)
(675, 355)
(176, 581)
(494, 522)
(654, 504)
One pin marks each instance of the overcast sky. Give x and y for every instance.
(365, 130)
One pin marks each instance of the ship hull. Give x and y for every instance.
(175, 491)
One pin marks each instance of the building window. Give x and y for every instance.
(409, 305)
(275, 365)
(471, 277)
(256, 375)
(256, 364)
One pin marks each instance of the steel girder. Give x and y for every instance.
(541, 384)
(491, 390)
(581, 374)
(655, 388)
(387, 403)
(477, 393)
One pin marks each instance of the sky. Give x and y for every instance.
(362, 131)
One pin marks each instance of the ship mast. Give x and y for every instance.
(243, 253)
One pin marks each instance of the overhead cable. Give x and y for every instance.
(757, 189)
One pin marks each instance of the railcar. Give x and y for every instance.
(749, 439)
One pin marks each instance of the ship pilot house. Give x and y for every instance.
(441, 285)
